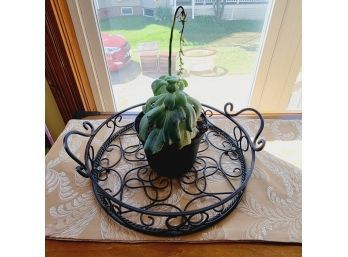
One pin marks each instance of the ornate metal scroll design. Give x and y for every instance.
(257, 144)
(161, 210)
(113, 124)
(82, 168)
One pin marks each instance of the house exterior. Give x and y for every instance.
(234, 9)
(112, 8)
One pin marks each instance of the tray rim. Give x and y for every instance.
(88, 169)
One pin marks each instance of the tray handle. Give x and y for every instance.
(257, 144)
(82, 168)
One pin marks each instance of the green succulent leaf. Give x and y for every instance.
(155, 141)
(172, 79)
(185, 136)
(165, 77)
(196, 105)
(169, 101)
(185, 82)
(159, 122)
(160, 100)
(149, 119)
(159, 87)
(182, 84)
(170, 116)
(180, 98)
(181, 113)
(171, 87)
(171, 127)
(143, 128)
(190, 118)
(154, 113)
(150, 103)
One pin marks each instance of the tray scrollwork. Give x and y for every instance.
(136, 197)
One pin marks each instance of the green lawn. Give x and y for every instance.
(236, 42)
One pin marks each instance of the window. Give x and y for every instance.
(127, 10)
(244, 56)
(295, 102)
(148, 12)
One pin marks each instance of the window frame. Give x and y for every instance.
(127, 7)
(280, 59)
(148, 15)
(65, 72)
(277, 67)
(83, 15)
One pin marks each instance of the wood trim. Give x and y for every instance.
(89, 39)
(159, 249)
(64, 69)
(58, 72)
(66, 28)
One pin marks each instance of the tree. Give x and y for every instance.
(219, 7)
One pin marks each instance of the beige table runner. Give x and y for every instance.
(270, 210)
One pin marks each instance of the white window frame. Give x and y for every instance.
(148, 15)
(127, 14)
(277, 67)
(281, 58)
(96, 3)
(83, 16)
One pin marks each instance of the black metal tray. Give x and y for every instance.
(136, 197)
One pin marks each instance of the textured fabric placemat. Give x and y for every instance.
(270, 210)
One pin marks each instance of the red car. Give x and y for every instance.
(117, 51)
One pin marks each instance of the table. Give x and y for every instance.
(55, 248)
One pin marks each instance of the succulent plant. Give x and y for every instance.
(170, 116)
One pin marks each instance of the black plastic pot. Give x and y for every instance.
(172, 161)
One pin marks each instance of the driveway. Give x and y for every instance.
(215, 90)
